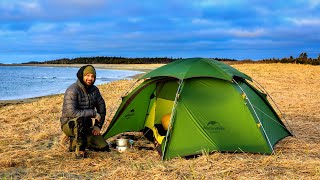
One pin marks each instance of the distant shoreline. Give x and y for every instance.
(133, 67)
(137, 67)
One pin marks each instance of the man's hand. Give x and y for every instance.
(96, 130)
(98, 117)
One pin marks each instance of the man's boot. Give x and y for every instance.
(80, 154)
(104, 149)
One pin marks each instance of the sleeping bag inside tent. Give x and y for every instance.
(195, 105)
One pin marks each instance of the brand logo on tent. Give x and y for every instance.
(214, 126)
(129, 114)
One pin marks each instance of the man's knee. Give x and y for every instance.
(69, 128)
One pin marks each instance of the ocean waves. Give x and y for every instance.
(21, 82)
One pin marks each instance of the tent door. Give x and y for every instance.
(160, 105)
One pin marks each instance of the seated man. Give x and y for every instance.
(82, 102)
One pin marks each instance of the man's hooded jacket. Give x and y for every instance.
(81, 100)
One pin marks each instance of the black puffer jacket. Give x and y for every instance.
(82, 101)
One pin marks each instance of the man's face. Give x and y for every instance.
(88, 79)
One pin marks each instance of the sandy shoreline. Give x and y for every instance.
(134, 67)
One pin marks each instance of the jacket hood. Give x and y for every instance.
(80, 76)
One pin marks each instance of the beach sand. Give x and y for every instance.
(32, 146)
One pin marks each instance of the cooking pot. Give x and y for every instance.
(122, 142)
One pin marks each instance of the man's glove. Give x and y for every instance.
(98, 117)
(96, 130)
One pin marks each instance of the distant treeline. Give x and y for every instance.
(302, 59)
(107, 60)
(115, 60)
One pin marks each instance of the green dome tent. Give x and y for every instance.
(212, 108)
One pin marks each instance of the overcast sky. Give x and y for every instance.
(39, 30)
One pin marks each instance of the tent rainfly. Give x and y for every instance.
(211, 107)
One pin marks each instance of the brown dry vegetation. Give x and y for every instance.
(31, 140)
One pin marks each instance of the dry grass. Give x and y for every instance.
(31, 140)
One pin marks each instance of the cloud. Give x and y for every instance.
(42, 27)
(44, 10)
(134, 19)
(19, 10)
(77, 3)
(215, 3)
(314, 3)
(207, 22)
(305, 21)
(74, 7)
(73, 27)
(143, 28)
(132, 35)
(247, 33)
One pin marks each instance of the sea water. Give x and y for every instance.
(20, 82)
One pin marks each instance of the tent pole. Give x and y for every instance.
(283, 116)
(256, 116)
(172, 117)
